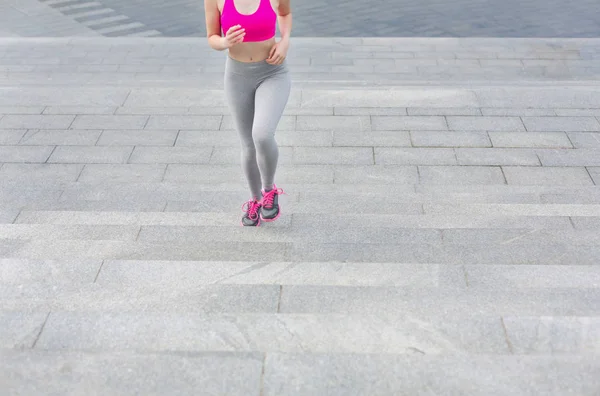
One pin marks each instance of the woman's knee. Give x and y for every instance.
(263, 138)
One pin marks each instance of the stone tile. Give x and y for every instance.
(20, 330)
(79, 110)
(565, 157)
(90, 154)
(25, 153)
(573, 197)
(406, 97)
(210, 122)
(546, 98)
(270, 333)
(117, 373)
(533, 139)
(66, 96)
(595, 174)
(11, 136)
(204, 138)
(497, 156)
(149, 299)
(170, 155)
(22, 271)
(180, 273)
(317, 111)
(191, 234)
(586, 223)
(553, 335)
(414, 156)
(21, 109)
(41, 172)
(176, 273)
(577, 112)
(72, 232)
(333, 123)
(485, 123)
(119, 173)
(501, 277)
(417, 123)
(585, 139)
(166, 97)
(376, 174)
(572, 176)
(371, 138)
(303, 138)
(505, 237)
(360, 204)
(449, 111)
(333, 155)
(146, 137)
(566, 124)
(333, 375)
(57, 137)
(437, 221)
(458, 302)
(109, 122)
(358, 111)
(507, 112)
(183, 110)
(449, 139)
(8, 216)
(492, 209)
(17, 121)
(84, 249)
(460, 175)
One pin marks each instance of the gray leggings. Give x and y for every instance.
(257, 94)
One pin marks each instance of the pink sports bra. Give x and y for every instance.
(259, 26)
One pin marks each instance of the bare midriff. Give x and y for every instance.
(253, 51)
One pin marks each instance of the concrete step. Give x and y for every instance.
(447, 299)
(312, 248)
(242, 374)
(314, 61)
(188, 274)
(306, 333)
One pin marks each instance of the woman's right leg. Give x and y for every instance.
(240, 92)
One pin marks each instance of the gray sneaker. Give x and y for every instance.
(252, 216)
(270, 210)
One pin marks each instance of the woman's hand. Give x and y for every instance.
(278, 52)
(235, 35)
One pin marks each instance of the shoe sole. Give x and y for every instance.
(273, 219)
(256, 225)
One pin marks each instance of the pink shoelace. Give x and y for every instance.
(268, 198)
(251, 207)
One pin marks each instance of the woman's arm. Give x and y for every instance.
(234, 36)
(284, 18)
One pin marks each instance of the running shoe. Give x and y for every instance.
(252, 213)
(270, 210)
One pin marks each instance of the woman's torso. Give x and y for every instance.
(252, 12)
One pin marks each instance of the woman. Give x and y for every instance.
(257, 87)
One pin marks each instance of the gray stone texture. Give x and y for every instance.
(439, 230)
(335, 375)
(120, 373)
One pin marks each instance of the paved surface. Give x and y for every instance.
(343, 62)
(315, 18)
(436, 238)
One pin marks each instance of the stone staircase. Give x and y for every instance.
(438, 237)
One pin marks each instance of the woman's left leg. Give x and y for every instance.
(269, 103)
